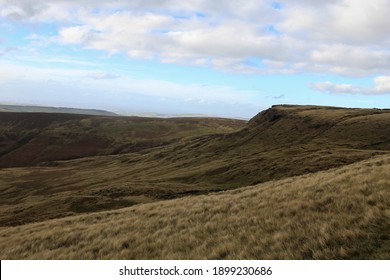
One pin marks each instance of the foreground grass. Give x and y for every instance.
(341, 213)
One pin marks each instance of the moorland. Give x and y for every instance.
(294, 182)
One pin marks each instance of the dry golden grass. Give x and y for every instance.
(278, 143)
(341, 213)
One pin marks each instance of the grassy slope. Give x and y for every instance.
(33, 138)
(281, 142)
(341, 213)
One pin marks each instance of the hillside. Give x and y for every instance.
(32, 138)
(341, 213)
(278, 143)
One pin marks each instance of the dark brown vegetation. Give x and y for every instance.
(138, 161)
(31, 138)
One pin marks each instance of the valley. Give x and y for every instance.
(290, 167)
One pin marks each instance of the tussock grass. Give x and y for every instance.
(341, 213)
(171, 158)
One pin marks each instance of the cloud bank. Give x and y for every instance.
(70, 87)
(381, 86)
(345, 37)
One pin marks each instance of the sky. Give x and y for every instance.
(219, 58)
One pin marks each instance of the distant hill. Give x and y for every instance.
(32, 138)
(43, 109)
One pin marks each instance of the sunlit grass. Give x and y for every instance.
(336, 214)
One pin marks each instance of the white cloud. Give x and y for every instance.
(74, 34)
(381, 86)
(348, 37)
(346, 21)
(103, 76)
(351, 60)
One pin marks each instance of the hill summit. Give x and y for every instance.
(352, 128)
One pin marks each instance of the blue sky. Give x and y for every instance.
(220, 58)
